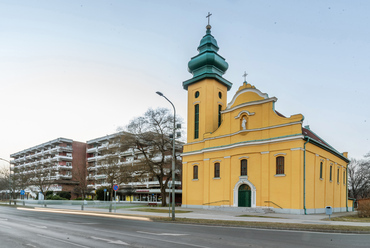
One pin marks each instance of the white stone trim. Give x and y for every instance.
(195, 164)
(258, 92)
(244, 180)
(297, 149)
(244, 112)
(206, 159)
(267, 152)
(280, 153)
(243, 157)
(184, 162)
(196, 102)
(249, 130)
(270, 141)
(221, 103)
(227, 157)
(217, 160)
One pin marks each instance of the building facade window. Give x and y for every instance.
(331, 172)
(195, 172)
(338, 176)
(243, 167)
(321, 170)
(217, 170)
(196, 121)
(280, 165)
(219, 114)
(344, 177)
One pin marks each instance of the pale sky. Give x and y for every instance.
(80, 69)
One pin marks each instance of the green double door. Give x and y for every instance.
(244, 196)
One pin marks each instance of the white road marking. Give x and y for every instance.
(156, 239)
(63, 241)
(163, 234)
(44, 227)
(30, 245)
(117, 242)
(3, 219)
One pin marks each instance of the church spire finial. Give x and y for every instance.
(209, 17)
(245, 76)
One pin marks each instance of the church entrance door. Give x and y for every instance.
(244, 196)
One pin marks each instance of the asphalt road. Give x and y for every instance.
(27, 228)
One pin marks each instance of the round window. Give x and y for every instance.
(197, 94)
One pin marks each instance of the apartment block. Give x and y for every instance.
(63, 159)
(143, 188)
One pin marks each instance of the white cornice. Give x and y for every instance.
(229, 109)
(243, 144)
(254, 90)
(248, 130)
(242, 112)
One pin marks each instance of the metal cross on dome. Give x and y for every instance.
(245, 76)
(208, 16)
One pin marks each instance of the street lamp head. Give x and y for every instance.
(159, 93)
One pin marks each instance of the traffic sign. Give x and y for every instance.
(22, 192)
(105, 190)
(115, 187)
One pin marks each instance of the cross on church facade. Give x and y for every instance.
(245, 76)
(208, 16)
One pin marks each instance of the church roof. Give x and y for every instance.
(308, 133)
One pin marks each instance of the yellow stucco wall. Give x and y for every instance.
(266, 135)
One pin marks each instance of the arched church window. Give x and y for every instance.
(217, 170)
(219, 114)
(243, 167)
(280, 165)
(196, 121)
(195, 172)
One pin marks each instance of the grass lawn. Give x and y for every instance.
(259, 216)
(352, 218)
(119, 207)
(269, 225)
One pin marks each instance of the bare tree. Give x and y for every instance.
(42, 176)
(110, 166)
(80, 174)
(20, 179)
(149, 135)
(359, 178)
(4, 178)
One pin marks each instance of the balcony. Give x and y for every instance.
(91, 168)
(103, 176)
(91, 186)
(65, 158)
(65, 176)
(64, 167)
(92, 159)
(92, 150)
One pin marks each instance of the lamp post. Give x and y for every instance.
(173, 154)
(10, 172)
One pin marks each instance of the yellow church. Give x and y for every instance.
(244, 153)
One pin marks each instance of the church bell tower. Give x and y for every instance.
(207, 89)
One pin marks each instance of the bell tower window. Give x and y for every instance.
(196, 121)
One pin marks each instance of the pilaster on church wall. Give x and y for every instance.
(296, 179)
(263, 194)
(206, 180)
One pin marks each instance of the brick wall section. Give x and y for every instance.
(79, 164)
